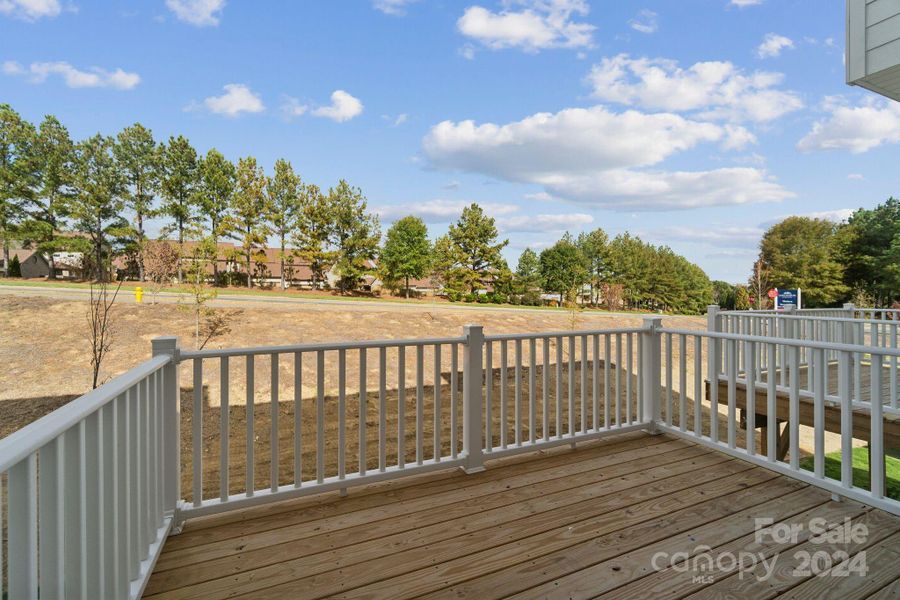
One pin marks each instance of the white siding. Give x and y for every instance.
(873, 45)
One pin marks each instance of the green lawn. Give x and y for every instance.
(861, 469)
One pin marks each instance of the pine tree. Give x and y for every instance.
(98, 203)
(140, 159)
(475, 247)
(49, 206)
(214, 196)
(285, 203)
(249, 210)
(528, 272)
(179, 181)
(355, 234)
(18, 175)
(313, 232)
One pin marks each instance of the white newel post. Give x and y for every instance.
(473, 404)
(850, 309)
(171, 429)
(651, 370)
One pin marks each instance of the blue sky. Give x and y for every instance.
(693, 124)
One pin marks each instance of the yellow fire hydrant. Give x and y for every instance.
(138, 294)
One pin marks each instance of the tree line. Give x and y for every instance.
(97, 195)
(853, 261)
(53, 187)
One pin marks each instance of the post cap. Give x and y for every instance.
(164, 345)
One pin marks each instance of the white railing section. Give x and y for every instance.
(365, 417)
(833, 330)
(733, 356)
(560, 387)
(91, 489)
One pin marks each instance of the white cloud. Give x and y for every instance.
(536, 25)
(562, 153)
(646, 21)
(237, 99)
(440, 210)
(856, 176)
(544, 223)
(743, 3)
(838, 215)
(395, 8)
(773, 44)
(854, 128)
(467, 52)
(291, 107)
(30, 10)
(721, 236)
(202, 13)
(11, 67)
(625, 189)
(94, 77)
(716, 89)
(546, 143)
(343, 107)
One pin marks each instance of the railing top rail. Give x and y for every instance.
(317, 347)
(500, 337)
(786, 341)
(779, 315)
(22, 443)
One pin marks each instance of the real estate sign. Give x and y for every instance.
(787, 298)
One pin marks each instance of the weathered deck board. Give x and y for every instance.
(569, 523)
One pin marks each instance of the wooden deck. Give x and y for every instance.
(563, 523)
(861, 416)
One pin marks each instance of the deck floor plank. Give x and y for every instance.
(601, 565)
(304, 510)
(512, 499)
(557, 524)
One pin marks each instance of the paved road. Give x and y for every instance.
(224, 300)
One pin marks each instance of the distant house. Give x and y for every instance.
(35, 265)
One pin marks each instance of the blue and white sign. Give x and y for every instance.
(787, 298)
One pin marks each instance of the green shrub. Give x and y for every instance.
(15, 267)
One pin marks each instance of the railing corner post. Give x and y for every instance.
(473, 402)
(850, 309)
(712, 314)
(651, 371)
(171, 429)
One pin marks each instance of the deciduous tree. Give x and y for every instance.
(563, 268)
(800, 252)
(407, 251)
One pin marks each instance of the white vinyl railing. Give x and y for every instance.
(734, 358)
(877, 333)
(91, 489)
(94, 488)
